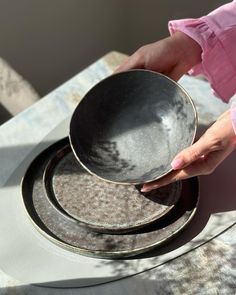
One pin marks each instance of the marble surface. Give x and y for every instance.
(16, 93)
(209, 267)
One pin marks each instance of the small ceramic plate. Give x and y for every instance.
(102, 206)
(72, 236)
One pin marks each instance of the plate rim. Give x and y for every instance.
(100, 253)
(48, 188)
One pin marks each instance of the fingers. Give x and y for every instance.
(203, 166)
(135, 61)
(171, 177)
(191, 154)
(203, 156)
(210, 142)
(176, 175)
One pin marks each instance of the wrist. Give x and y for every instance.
(191, 51)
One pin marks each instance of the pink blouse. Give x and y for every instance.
(216, 34)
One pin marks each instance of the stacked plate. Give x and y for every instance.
(85, 214)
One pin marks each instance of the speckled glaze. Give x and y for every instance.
(103, 206)
(128, 128)
(71, 235)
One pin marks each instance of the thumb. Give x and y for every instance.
(191, 154)
(135, 61)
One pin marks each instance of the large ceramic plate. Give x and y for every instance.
(103, 206)
(70, 235)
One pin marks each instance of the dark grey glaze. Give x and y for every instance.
(103, 206)
(72, 236)
(130, 126)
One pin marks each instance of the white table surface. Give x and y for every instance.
(201, 261)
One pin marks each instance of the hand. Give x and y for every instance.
(172, 56)
(202, 157)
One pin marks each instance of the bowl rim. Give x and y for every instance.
(120, 73)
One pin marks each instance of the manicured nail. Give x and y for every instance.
(177, 164)
(148, 189)
(144, 190)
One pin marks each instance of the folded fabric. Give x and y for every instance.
(216, 34)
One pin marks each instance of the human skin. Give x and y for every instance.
(203, 156)
(174, 56)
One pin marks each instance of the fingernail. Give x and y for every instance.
(144, 190)
(148, 189)
(177, 164)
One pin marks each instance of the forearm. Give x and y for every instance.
(216, 34)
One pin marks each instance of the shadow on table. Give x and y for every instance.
(196, 272)
(5, 115)
(217, 192)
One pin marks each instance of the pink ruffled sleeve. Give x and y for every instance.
(216, 34)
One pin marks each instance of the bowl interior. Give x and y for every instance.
(129, 127)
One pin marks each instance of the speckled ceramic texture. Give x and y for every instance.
(72, 236)
(130, 126)
(103, 206)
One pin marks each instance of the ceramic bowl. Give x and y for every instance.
(128, 128)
